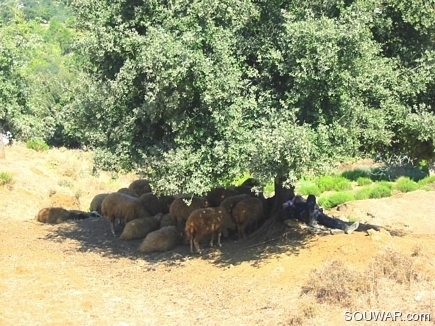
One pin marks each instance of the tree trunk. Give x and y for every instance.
(431, 166)
(2, 150)
(281, 195)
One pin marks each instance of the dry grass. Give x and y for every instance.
(393, 281)
(39, 175)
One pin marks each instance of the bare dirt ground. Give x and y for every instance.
(77, 273)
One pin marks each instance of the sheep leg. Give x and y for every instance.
(191, 245)
(219, 239)
(196, 243)
(241, 231)
(112, 226)
(212, 239)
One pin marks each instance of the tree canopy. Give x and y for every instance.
(197, 92)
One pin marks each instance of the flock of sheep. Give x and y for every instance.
(163, 222)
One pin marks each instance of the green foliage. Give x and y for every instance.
(380, 190)
(6, 178)
(335, 199)
(337, 183)
(362, 181)
(308, 188)
(45, 10)
(238, 181)
(269, 188)
(36, 81)
(38, 145)
(426, 181)
(363, 193)
(388, 184)
(196, 93)
(405, 184)
(354, 175)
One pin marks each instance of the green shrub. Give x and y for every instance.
(325, 183)
(363, 193)
(341, 183)
(405, 184)
(308, 188)
(426, 181)
(363, 181)
(380, 191)
(6, 178)
(335, 199)
(353, 175)
(336, 182)
(37, 144)
(387, 184)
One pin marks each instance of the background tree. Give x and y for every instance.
(38, 72)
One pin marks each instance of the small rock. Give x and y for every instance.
(418, 297)
(381, 235)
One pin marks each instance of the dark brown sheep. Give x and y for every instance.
(122, 207)
(56, 215)
(230, 202)
(246, 212)
(167, 220)
(127, 191)
(140, 187)
(155, 204)
(205, 221)
(182, 207)
(163, 239)
(96, 203)
(218, 194)
(139, 228)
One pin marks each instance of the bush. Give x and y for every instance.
(335, 199)
(380, 191)
(363, 181)
(336, 284)
(405, 184)
(354, 175)
(325, 183)
(37, 144)
(6, 178)
(387, 184)
(341, 183)
(426, 181)
(363, 193)
(308, 188)
(337, 183)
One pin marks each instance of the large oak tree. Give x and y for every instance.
(195, 93)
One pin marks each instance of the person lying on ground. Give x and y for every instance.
(307, 211)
